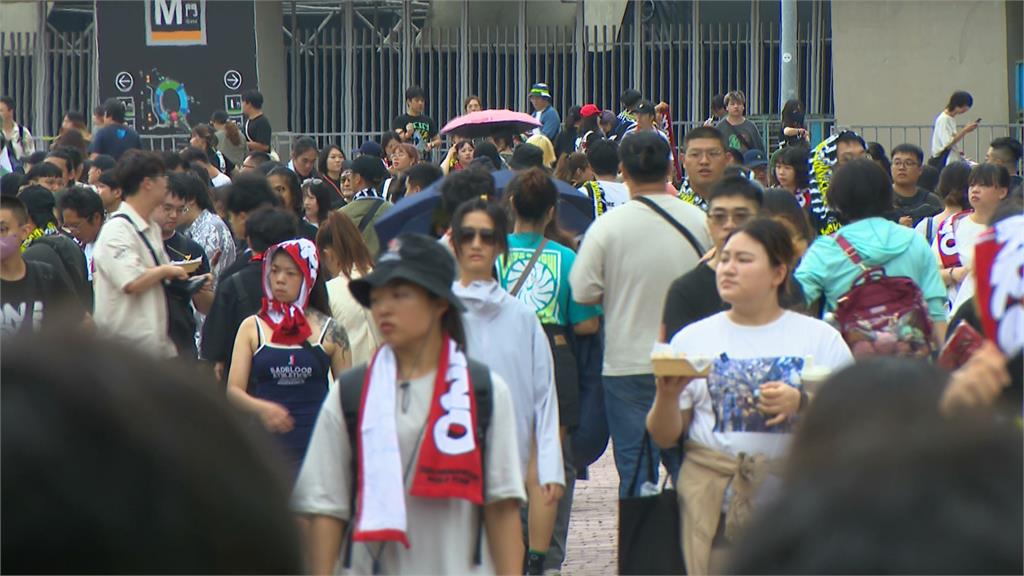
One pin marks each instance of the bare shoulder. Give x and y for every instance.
(335, 333)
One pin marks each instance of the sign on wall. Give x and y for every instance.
(174, 62)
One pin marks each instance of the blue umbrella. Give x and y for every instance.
(415, 214)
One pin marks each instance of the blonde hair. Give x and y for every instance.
(541, 141)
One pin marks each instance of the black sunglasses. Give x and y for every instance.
(466, 234)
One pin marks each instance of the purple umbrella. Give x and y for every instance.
(486, 122)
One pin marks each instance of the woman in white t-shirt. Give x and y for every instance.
(739, 418)
(945, 136)
(988, 184)
(346, 258)
(432, 488)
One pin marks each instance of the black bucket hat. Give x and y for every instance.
(414, 258)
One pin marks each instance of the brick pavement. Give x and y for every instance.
(593, 526)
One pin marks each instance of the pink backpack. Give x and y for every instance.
(882, 315)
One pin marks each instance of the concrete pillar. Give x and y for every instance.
(789, 83)
(270, 68)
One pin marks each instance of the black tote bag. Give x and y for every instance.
(649, 527)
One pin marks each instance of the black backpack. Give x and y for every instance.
(351, 396)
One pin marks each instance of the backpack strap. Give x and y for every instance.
(529, 268)
(668, 218)
(141, 235)
(929, 232)
(480, 377)
(350, 393)
(849, 250)
(351, 396)
(368, 217)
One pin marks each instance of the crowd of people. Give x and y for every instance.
(410, 402)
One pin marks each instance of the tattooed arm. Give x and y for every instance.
(337, 347)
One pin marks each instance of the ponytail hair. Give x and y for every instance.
(230, 128)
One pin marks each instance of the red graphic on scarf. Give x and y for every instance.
(449, 464)
(999, 269)
(949, 254)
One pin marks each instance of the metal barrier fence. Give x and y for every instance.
(974, 145)
(352, 80)
(348, 78)
(47, 75)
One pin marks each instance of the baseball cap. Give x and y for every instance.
(589, 110)
(541, 89)
(645, 107)
(527, 156)
(414, 258)
(753, 158)
(371, 168)
(370, 148)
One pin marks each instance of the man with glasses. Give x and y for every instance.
(694, 295)
(131, 264)
(704, 159)
(185, 252)
(81, 211)
(911, 203)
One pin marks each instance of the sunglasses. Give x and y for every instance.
(739, 217)
(466, 234)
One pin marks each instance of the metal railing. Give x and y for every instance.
(974, 145)
(47, 75)
(344, 77)
(351, 80)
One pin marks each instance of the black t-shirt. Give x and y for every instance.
(258, 130)
(238, 297)
(425, 128)
(307, 231)
(114, 140)
(920, 206)
(179, 304)
(691, 297)
(41, 300)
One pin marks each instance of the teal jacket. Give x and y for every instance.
(826, 270)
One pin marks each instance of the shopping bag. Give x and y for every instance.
(649, 526)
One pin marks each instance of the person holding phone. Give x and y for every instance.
(945, 136)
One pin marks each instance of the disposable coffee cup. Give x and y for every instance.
(812, 377)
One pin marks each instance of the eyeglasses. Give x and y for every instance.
(738, 217)
(466, 234)
(905, 163)
(172, 208)
(698, 154)
(312, 182)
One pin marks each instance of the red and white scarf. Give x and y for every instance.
(288, 319)
(945, 240)
(449, 463)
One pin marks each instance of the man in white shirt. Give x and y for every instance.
(131, 263)
(945, 136)
(626, 263)
(17, 137)
(605, 190)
